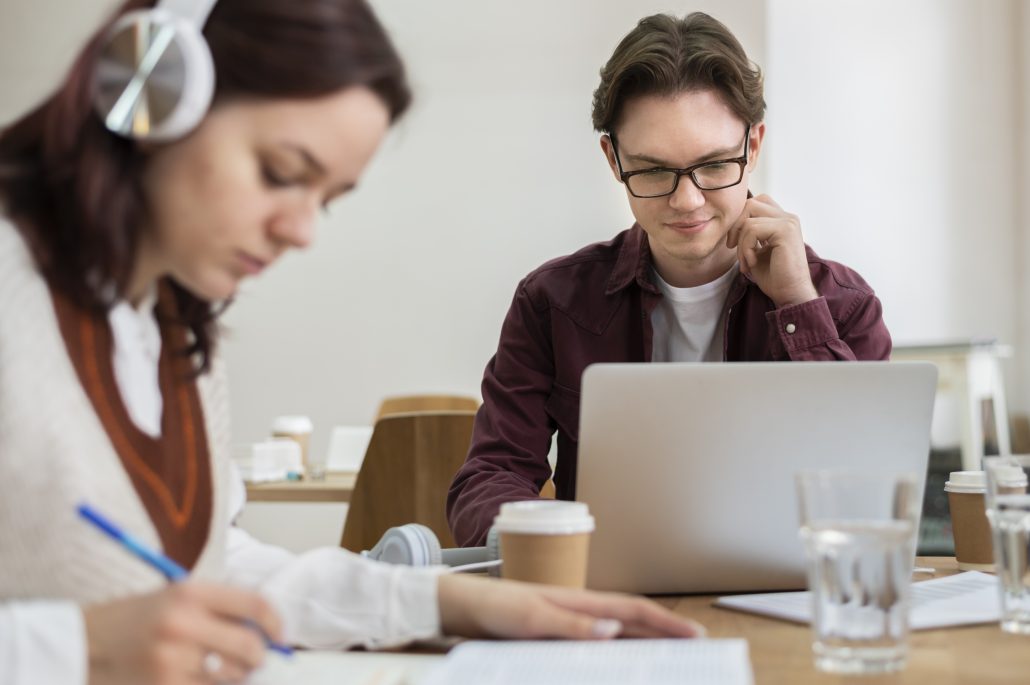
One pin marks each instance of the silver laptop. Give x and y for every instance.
(689, 469)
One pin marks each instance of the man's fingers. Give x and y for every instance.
(758, 236)
(758, 207)
(733, 235)
(763, 205)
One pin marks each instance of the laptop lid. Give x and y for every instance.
(689, 469)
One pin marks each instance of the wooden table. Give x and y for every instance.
(337, 487)
(781, 652)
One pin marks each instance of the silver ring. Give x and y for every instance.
(212, 663)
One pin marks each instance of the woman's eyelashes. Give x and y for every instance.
(275, 179)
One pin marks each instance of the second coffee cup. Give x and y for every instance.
(545, 541)
(969, 526)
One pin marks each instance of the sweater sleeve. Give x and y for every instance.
(330, 598)
(42, 642)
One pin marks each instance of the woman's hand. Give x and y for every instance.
(485, 607)
(187, 633)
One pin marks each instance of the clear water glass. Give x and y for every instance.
(859, 530)
(1008, 511)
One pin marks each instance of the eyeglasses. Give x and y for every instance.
(660, 181)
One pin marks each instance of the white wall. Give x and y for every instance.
(410, 278)
(495, 170)
(28, 71)
(892, 131)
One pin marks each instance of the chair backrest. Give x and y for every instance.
(403, 404)
(404, 478)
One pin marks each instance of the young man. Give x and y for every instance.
(707, 273)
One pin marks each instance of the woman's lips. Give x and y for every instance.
(252, 265)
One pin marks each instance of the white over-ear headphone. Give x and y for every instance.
(416, 545)
(155, 77)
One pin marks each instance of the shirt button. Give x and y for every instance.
(791, 328)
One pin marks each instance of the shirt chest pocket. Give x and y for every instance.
(563, 408)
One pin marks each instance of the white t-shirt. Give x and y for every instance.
(688, 323)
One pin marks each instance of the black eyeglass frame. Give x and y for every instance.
(689, 171)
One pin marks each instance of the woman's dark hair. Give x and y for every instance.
(74, 189)
(665, 55)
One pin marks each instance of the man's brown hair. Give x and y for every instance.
(665, 55)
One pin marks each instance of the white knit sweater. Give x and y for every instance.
(55, 453)
(54, 450)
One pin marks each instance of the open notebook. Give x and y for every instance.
(618, 662)
(961, 599)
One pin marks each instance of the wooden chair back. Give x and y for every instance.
(403, 404)
(405, 476)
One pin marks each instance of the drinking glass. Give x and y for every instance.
(859, 530)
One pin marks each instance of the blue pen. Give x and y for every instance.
(169, 568)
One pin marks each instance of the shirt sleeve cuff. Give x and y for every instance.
(801, 326)
(417, 605)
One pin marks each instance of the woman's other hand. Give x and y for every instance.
(485, 607)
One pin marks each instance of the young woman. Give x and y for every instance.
(124, 229)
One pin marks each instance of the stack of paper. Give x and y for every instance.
(962, 599)
(621, 662)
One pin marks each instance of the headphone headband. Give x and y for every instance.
(194, 11)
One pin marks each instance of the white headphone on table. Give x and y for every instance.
(416, 545)
(155, 77)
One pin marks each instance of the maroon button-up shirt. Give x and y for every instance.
(595, 306)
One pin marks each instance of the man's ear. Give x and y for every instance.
(609, 154)
(755, 144)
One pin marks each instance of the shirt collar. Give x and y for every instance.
(634, 264)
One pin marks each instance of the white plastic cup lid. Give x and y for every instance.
(544, 517)
(966, 481)
(292, 424)
(1009, 475)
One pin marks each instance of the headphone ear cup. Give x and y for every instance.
(412, 544)
(154, 77)
(493, 550)
(427, 543)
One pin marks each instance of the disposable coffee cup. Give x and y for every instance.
(297, 428)
(545, 541)
(969, 526)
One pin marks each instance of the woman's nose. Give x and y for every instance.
(295, 227)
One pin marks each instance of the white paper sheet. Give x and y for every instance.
(618, 662)
(961, 599)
